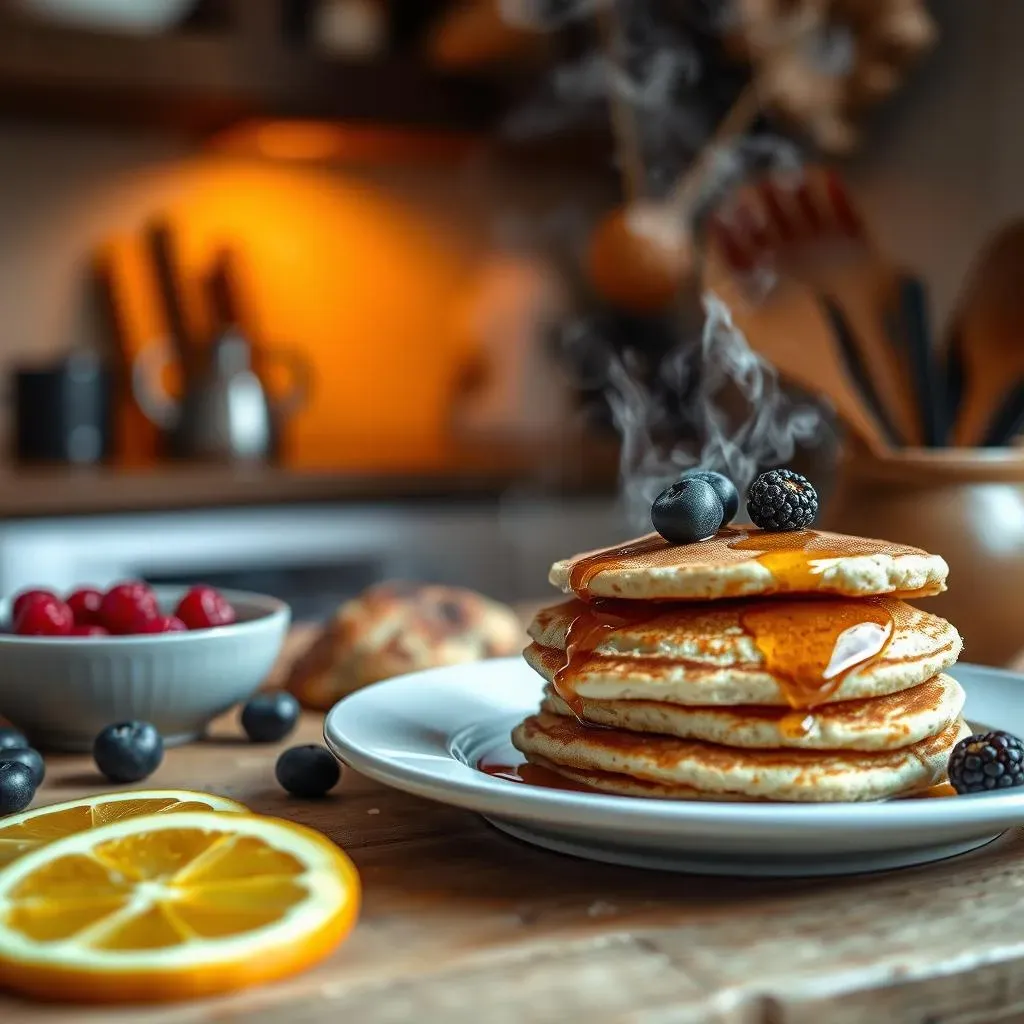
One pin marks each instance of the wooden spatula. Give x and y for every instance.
(808, 233)
(792, 333)
(986, 345)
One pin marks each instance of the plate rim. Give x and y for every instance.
(494, 797)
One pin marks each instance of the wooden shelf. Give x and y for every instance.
(201, 81)
(475, 472)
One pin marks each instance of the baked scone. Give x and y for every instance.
(397, 627)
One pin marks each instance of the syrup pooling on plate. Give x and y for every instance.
(811, 646)
(940, 789)
(532, 775)
(588, 628)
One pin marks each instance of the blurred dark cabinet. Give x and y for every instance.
(231, 60)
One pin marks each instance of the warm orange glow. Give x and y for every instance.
(330, 142)
(363, 282)
(294, 140)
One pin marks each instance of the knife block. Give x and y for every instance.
(964, 504)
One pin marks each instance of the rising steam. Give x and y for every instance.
(712, 401)
(738, 418)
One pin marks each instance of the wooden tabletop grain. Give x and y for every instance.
(461, 923)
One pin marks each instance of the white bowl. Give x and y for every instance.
(61, 691)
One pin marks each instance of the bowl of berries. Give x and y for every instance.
(173, 656)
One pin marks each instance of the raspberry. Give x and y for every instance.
(163, 624)
(203, 607)
(28, 597)
(127, 608)
(44, 616)
(85, 604)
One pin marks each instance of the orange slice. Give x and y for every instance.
(173, 906)
(20, 833)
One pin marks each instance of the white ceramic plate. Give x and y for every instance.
(424, 733)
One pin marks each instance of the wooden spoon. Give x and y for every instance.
(808, 234)
(792, 333)
(986, 346)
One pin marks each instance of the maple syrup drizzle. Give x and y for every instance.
(791, 558)
(585, 633)
(583, 570)
(811, 646)
(797, 725)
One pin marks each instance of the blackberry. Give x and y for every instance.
(782, 500)
(987, 761)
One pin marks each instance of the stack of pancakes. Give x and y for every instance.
(752, 666)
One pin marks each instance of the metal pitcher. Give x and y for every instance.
(225, 413)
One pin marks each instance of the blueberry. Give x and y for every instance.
(269, 717)
(12, 738)
(16, 789)
(307, 771)
(724, 488)
(128, 751)
(30, 758)
(688, 511)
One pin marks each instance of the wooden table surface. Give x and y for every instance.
(461, 923)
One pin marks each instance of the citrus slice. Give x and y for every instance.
(20, 833)
(172, 906)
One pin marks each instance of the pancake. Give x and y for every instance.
(714, 772)
(714, 654)
(624, 785)
(882, 723)
(739, 562)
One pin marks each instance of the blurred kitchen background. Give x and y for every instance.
(294, 292)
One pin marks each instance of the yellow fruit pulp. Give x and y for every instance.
(170, 906)
(20, 833)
